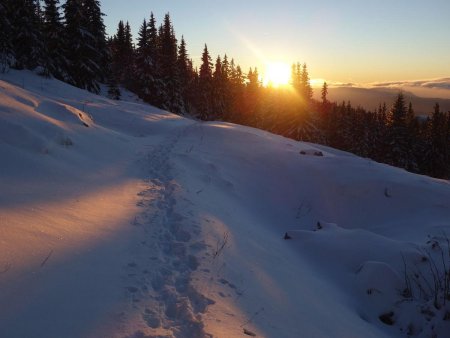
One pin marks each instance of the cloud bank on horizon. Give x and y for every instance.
(428, 88)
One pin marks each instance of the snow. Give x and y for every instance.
(118, 219)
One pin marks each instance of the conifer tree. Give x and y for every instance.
(226, 88)
(381, 145)
(96, 28)
(324, 93)
(296, 77)
(113, 87)
(186, 75)
(252, 97)
(6, 50)
(437, 157)
(237, 89)
(128, 58)
(156, 85)
(218, 90)
(147, 82)
(183, 63)
(26, 39)
(205, 85)
(122, 55)
(142, 63)
(117, 50)
(143, 41)
(397, 136)
(217, 74)
(83, 68)
(168, 54)
(225, 68)
(306, 85)
(154, 40)
(129, 47)
(53, 54)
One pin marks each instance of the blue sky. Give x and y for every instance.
(343, 41)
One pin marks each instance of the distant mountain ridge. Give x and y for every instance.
(371, 98)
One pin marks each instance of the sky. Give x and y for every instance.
(346, 41)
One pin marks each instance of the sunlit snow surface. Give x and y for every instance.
(121, 220)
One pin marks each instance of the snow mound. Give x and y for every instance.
(63, 113)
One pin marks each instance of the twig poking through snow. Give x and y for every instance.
(249, 333)
(253, 316)
(303, 209)
(46, 258)
(386, 193)
(221, 245)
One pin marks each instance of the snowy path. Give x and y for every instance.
(159, 278)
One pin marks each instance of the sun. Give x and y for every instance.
(276, 74)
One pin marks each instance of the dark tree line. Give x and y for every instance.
(160, 70)
(395, 136)
(68, 42)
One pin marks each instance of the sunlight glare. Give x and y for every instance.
(277, 74)
(317, 83)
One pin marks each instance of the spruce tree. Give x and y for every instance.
(380, 134)
(237, 89)
(296, 77)
(205, 86)
(53, 55)
(142, 63)
(226, 87)
(252, 96)
(117, 50)
(306, 89)
(26, 39)
(6, 50)
(156, 86)
(129, 46)
(218, 90)
(148, 85)
(186, 75)
(83, 68)
(113, 87)
(96, 28)
(436, 159)
(397, 135)
(324, 93)
(183, 63)
(168, 57)
(122, 56)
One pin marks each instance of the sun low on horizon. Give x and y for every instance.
(276, 74)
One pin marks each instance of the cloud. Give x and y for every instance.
(443, 83)
(336, 84)
(428, 88)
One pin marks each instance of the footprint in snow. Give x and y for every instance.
(151, 319)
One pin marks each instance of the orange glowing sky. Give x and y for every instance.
(341, 41)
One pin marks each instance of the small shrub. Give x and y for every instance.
(429, 281)
(66, 142)
(387, 318)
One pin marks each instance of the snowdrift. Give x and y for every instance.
(122, 220)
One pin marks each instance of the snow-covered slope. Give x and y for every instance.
(121, 220)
